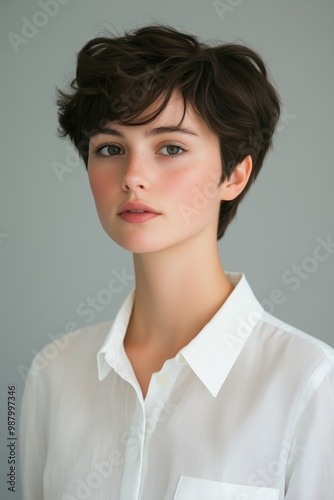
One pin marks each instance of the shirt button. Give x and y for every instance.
(163, 379)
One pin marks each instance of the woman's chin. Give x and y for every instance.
(136, 244)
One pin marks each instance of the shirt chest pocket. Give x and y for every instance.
(190, 488)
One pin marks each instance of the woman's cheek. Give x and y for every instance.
(101, 187)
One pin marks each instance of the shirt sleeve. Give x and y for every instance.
(310, 465)
(33, 441)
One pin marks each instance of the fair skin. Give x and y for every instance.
(180, 282)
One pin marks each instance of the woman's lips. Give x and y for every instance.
(137, 212)
(134, 217)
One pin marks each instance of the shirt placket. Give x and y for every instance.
(158, 409)
(149, 413)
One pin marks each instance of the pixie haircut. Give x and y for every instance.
(118, 78)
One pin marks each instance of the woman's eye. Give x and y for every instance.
(113, 150)
(109, 150)
(172, 150)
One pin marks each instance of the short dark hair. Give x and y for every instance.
(118, 78)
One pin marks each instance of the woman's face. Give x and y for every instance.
(170, 172)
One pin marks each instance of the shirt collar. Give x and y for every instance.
(212, 353)
(112, 353)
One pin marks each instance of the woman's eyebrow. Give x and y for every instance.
(154, 131)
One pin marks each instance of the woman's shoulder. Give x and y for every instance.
(293, 347)
(76, 349)
(289, 333)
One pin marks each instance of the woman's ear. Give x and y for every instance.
(237, 181)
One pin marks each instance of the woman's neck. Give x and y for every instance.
(177, 293)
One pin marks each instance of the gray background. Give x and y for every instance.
(53, 252)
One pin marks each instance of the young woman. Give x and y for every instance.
(193, 392)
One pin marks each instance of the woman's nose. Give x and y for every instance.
(135, 176)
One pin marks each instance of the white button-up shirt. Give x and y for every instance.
(245, 411)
